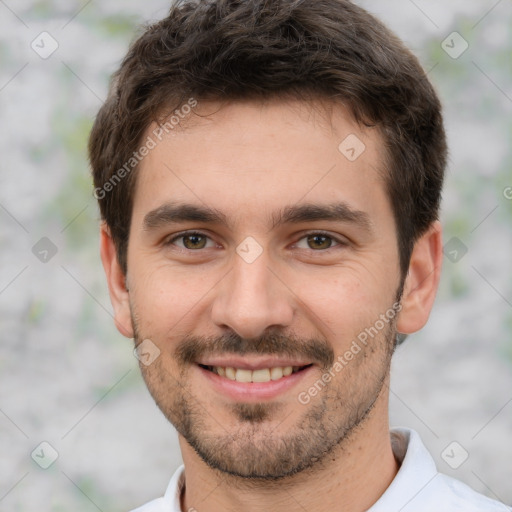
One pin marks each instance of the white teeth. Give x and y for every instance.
(261, 375)
(243, 375)
(276, 373)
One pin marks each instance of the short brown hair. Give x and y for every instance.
(241, 49)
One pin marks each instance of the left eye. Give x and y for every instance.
(317, 242)
(192, 241)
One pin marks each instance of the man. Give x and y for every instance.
(269, 177)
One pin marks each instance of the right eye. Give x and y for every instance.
(191, 240)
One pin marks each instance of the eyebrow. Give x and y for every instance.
(338, 212)
(170, 213)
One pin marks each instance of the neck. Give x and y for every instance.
(351, 478)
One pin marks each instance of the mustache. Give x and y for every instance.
(315, 350)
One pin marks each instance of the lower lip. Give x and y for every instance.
(253, 391)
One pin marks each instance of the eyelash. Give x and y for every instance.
(184, 234)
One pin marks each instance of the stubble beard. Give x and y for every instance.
(254, 450)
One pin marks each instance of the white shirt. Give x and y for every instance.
(417, 487)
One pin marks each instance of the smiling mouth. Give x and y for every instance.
(260, 375)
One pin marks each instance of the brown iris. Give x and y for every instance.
(319, 241)
(194, 241)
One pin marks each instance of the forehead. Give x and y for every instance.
(252, 156)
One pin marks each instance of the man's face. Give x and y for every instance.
(256, 245)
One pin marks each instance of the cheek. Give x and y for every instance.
(342, 305)
(166, 299)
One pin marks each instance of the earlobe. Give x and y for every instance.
(116, 280)
(422, 281)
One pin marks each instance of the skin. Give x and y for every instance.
(249, 160)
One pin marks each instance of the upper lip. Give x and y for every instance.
(253, 363)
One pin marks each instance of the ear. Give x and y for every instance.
(422, 281)
(116, 280)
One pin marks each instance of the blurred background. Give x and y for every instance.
(70, 381)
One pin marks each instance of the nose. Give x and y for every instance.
(252, 298)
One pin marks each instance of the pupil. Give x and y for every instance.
(319, 241)
(194, 241)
